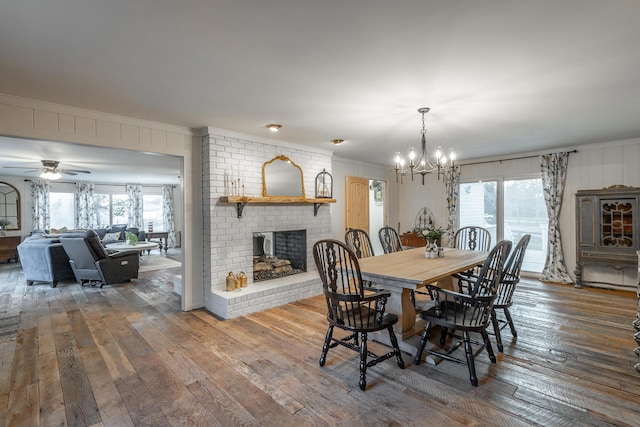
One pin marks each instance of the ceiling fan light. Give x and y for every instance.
(50, 175)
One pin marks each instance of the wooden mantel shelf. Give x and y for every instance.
(242, 201)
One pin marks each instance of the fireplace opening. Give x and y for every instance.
(278, 254)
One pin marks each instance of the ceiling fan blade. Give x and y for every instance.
(76, 171)
(21, 167)
(66, 172)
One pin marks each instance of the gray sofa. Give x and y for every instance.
(108, 235)
(44, 260)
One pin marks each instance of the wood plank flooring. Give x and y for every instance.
(127, 355)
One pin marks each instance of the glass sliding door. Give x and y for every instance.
(509, 209)
(525, 213)
(479, 206)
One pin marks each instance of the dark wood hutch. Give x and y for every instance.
(608, 228)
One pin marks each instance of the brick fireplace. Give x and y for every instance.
(229, 240)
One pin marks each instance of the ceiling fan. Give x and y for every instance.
(49, 170)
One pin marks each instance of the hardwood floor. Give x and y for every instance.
(126, 355)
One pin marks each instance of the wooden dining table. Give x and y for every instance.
(404, 271)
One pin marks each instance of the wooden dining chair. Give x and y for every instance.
(351, 306)
(466, 313)
(390, 240)
(472, 238)
(359, 242)
(506, 289)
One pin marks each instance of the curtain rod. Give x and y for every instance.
(512, 158)
(102, 183)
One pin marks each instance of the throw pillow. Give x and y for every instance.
(111, 236)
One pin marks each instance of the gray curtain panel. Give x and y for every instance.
(554, 172)
(40, 204)
(168, 214)
(452, 188)
(134, 206)
(86, 215)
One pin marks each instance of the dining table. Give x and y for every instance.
(409, 270)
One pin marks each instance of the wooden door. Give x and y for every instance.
(357, 203)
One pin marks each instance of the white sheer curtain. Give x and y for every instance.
(86, 215)
(168, 214)
(40, 204)
(134, 206)
(554, 172)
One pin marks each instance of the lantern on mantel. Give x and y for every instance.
(324, 185)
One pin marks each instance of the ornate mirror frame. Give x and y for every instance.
(10, 205)
(279, 192)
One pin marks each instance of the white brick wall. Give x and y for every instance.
(231, 244)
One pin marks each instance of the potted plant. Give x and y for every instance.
(132, 239)
(431, 234)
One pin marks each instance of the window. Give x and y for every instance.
(119, 213)
(111, 209)
(103, 209)
(61, 210)
(509, 209)
(526, 213)
(478, 206)
(152, 211)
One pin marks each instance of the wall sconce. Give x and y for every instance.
(324, 185)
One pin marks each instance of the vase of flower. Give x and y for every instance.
(431, 235)
(4, 222)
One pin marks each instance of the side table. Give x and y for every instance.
(9, 248)
(162, 236)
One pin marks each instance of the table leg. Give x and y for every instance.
(408, 329)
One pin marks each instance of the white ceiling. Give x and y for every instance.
(500, 76)
(107, 165)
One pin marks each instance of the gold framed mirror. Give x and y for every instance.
(281, 177)
(9, 206)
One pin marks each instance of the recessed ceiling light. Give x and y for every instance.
(337, 141)
(274, 127)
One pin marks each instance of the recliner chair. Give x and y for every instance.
(92, 264)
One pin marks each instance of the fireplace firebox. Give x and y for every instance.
(278, 254)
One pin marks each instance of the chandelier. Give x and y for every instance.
(422, 165)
